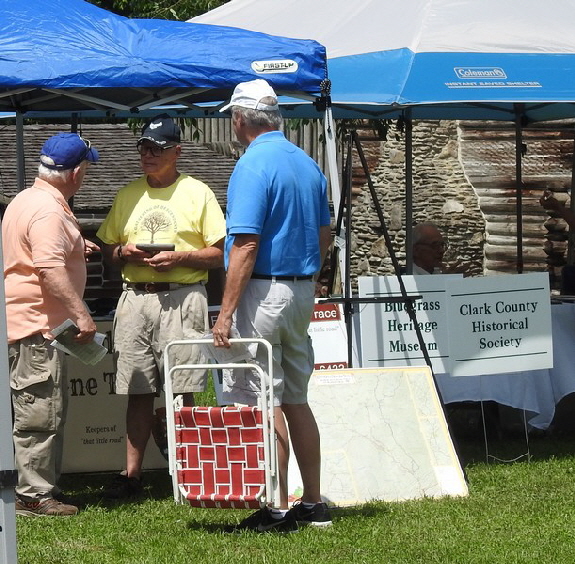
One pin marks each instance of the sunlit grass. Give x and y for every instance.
(515, 512)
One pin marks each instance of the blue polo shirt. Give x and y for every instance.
(279, 193)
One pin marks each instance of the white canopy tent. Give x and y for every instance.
(445, 59)
(508, 60)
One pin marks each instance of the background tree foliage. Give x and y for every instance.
(162, 9)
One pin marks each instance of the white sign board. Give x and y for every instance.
(500, 324)
(388, 335)
(470, 326)
(95, 429)
(328, 335)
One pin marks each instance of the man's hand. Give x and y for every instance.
(221, 331)
(162, 261)
(87, 329)
(89, 248)
(130, 253)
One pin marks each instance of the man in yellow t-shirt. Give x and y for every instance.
(164, 297)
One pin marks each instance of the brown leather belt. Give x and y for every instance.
(153, 287)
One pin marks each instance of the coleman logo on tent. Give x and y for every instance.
(265, 67)
(472, 73)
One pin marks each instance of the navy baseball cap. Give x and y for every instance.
(161, 130)
(65, 151)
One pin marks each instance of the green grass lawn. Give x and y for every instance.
(515, 512)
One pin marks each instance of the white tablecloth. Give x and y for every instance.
(536, 391)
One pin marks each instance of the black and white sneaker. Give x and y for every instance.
(317, 516)
(263, 521)
(123, 487)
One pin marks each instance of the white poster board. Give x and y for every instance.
(329, 337)
(470, 326)
(383, 437)
(95, 429)
(500, 324)
(388, 336)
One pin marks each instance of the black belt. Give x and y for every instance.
(153, 287)
(281, 277)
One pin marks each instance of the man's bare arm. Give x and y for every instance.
(241, 264)
(56, 282)
(202, 259)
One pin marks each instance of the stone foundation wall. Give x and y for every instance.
(441, 194)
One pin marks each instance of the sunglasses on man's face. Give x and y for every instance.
(154, 150)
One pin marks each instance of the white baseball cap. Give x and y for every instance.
(249, 95)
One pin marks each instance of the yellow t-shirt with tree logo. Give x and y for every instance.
(185, 214)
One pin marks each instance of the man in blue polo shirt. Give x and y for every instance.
(278, 232)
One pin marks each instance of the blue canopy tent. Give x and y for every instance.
(69, 57)
(432, 59)
(510, 60)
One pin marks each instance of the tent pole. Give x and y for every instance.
(571, 239)
(8, 474)
(330, 145)
(519, 184)
(336, 195)
(408, 191)
(20, 163)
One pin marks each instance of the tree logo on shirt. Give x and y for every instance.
(155, 221)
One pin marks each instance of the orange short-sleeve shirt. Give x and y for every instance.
(38, 230)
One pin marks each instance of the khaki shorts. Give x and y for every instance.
(279, 312)
(144, 324)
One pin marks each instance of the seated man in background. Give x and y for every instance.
(428, 249)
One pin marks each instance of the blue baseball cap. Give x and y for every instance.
(65, 151)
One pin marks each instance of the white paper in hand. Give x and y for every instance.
(89, 353)
(237, 352)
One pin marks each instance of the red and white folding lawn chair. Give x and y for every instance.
(222, 457)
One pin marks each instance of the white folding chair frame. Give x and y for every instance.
(266, 404)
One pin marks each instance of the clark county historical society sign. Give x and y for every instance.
(470, 326)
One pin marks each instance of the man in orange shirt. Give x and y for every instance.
(44, 278)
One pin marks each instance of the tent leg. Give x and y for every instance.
(20, 163)
(408, 192)
(336, 197)
(8, 475)
(519, 183)
(571, 240)
(330, 145)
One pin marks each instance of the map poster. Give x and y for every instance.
(383, 437)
